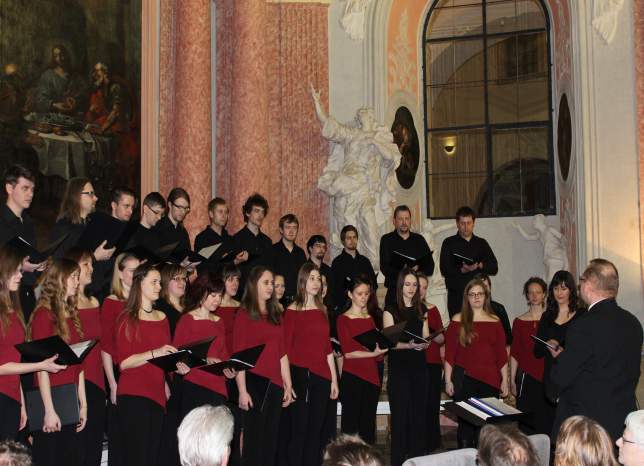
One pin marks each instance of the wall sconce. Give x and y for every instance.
(449, 146)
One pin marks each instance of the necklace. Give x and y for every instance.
(146, 311)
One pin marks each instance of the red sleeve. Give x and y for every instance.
(42, 325)
(451, 342)
(434, 320)
(288, 323)
(123, 348)
(239, 331)
(516, 350)
(218, 348)
(281, 344)
(499, 346)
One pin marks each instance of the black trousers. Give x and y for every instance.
(434, 383)
(58, 448)
(307, 415)
(92, 434)
(9, 417)
(194, 395)
(532, 399)
(359, 404)
(141, 421)
(467, 434)
(169, 448)
(260, 425)
(233, 405)
(114, 436)
(407, 389)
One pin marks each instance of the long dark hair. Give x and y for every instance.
(561, 277)
(302, 278)
(70, 207)
(372, 304)
(10, 260)
(130, 315)
(250, 300)
(416, 301)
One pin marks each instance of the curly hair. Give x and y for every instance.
(54, 289)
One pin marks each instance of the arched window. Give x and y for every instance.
(488, 112)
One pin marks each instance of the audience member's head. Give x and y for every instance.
(205, 435)
(465, 218)
(14, 454)
(351, 450)
(255, 209)
(123, 203)
(599, 281)
(153, 209)
(178, 204)
(19, 185)
(631, 443)
(505, 445)
(583, 442)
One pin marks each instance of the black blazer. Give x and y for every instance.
(598, 370)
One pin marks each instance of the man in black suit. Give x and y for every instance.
(598, 370)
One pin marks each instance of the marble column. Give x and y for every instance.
(185, 120)
(268, 139)
(639, 66)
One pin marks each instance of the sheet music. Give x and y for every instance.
(473, 410)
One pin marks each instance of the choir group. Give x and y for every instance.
(144, 292)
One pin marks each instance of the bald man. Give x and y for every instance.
(598, 370)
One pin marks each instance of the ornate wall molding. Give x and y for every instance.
(605, 16)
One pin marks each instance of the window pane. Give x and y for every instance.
(455, 61)
(456, 105)
(455, 21)
(514, 15)
(457, 169)
(522, 172)
(518, 78)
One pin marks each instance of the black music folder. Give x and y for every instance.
(69, 355)
(463, 259)
(543, 342)
(156, 257)
(193, 355)
(36, 256)
(240, 361)
(101, 227)
(400, 260)
(388, 338)
(65, 399)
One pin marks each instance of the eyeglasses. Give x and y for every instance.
(89, 193)
(630, 441)
(185, 208)
(180, 278)
(156, 212)
(476, 295)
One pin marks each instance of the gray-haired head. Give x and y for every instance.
(205, 435)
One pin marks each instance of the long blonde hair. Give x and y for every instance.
(54, 288)
(10, 260)
(467, 333)
(119, 266)
(583, 442)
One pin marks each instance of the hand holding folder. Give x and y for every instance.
(241, 361)
(386, 339)
(44, 348)
(192, 355)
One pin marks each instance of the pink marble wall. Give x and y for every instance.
(268, 138)
(185, 104)
(639, 64)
